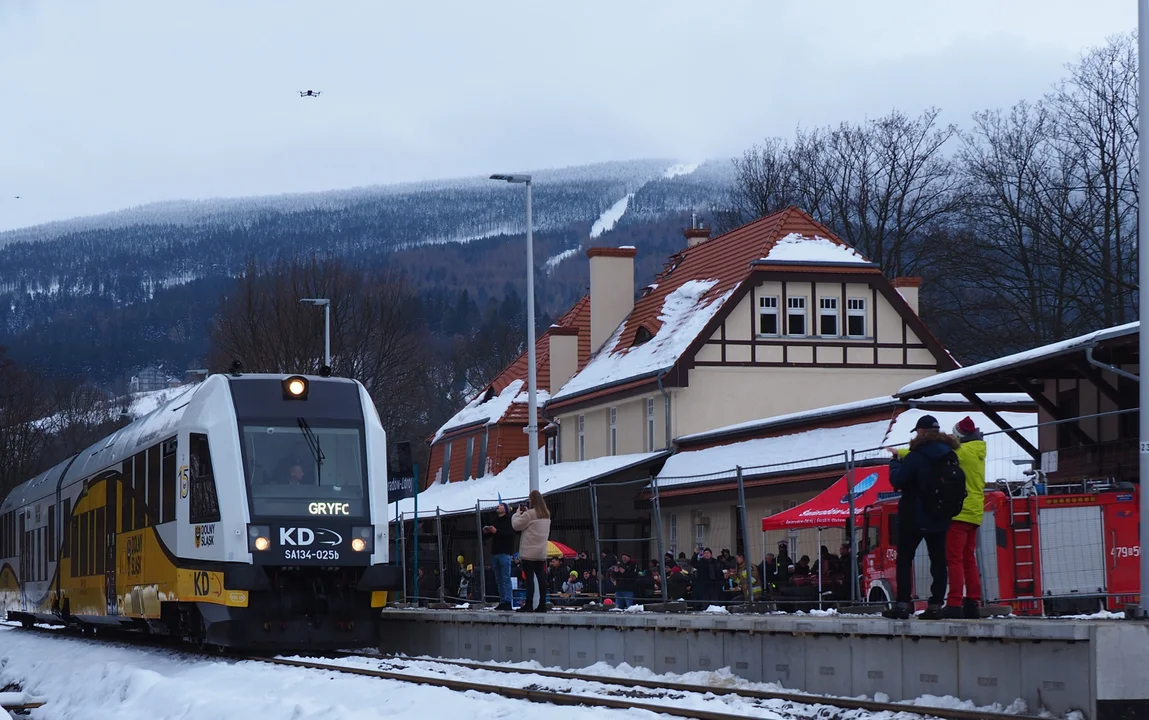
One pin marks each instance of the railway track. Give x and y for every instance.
(619, 693)
(627, 693)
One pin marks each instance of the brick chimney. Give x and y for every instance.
(563, 356)
(611, 290)
(909, 287)
(696, 233)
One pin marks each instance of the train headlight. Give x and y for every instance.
(363, 539)
(295, 388)
(258, 538)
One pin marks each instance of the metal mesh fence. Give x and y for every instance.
(1051, 540)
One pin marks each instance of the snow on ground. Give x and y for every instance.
(684, 315)
(610, 216)
(797, 248)
(513, 483)
(102, 681)
(554, 260)
(679, 169)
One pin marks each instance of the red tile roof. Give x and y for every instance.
(576, 319)
(726, 258)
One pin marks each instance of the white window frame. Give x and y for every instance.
(650, 424)
(582, 437)
(768, 305)
(796, 306)
(856, 307)
(613, 430)
(824, 311)
(447, 463)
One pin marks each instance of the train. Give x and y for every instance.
(248, 511)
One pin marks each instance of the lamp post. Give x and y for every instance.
(326, 304)
(1143, 251)
(532, 408)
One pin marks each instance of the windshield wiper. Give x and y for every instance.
(313, 445)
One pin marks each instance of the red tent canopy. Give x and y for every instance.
(832, 507)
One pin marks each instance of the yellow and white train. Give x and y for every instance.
(248, 511)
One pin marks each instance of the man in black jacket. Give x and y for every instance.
(915, 523)
(625, 578)
(707, 577)
(502, 548)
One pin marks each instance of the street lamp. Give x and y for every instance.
(532, 407)
(326, 326)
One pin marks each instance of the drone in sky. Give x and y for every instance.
(309, 93)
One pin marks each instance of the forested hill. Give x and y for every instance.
(101, 296)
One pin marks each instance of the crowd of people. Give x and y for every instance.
(942, 482)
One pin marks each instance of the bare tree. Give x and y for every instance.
(22, 437)
(376, 331)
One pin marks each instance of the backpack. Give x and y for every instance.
(943, 487)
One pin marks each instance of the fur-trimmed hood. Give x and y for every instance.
(933, 436)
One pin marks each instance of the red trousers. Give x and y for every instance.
(961, 563)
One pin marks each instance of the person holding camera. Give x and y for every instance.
(502, 534)
(534, 522)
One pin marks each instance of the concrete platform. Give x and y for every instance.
(1100, 668)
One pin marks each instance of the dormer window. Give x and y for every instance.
(768, 315)
(641, 335)
(856, 317)
(489, 395)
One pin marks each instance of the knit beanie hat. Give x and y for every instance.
(965, 426)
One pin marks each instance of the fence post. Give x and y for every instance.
(597, 541)
(851, 535)
(482, 559)
(745, 533)
(442, 571)
(403, 554)
(658, 530)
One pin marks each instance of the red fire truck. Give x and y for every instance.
(1074, 550)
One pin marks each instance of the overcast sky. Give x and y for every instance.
(106, 104)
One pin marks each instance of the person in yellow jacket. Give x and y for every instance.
(964, 597)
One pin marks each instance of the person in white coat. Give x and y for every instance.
(534, 526)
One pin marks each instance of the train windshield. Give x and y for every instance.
(299, 470)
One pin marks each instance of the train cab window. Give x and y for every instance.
(204, 503)
(168, 471)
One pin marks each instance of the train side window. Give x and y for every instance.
(154, 485)
(74, 553)
(141, 491)
(204, 503)
(51, 533)
(127, 511)
(168, 501)
(66, 548)
(101, 541)
(85, 544)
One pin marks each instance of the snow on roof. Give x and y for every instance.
(789, 453)
(491, 411)
(825, 447)
(1064, 347)
(513, 483)
(1001, 449)
(799, 248)
(852, 407)
(684, 315)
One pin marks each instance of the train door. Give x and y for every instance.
(25, 560)
(112, 483)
